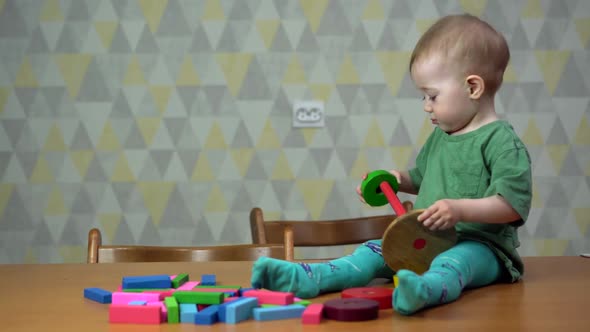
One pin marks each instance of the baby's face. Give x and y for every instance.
(446, 94)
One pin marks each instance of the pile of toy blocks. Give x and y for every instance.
(156, 299)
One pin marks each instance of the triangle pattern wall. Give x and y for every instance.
(165, 122)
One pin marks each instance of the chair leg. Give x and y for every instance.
(94, 241)
(257, 226)
(289, 243)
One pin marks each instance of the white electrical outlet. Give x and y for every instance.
(308, 113)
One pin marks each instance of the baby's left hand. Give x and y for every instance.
(443, 214)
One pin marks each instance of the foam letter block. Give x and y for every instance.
(163, 310)
(98, 294)
(214, 289)
(230, 291)
(208, 280)
(188, 312)
(270, 297)
(189, 285)
(134, 314)
(207, 316)
(304, 303)
(312, 314)
(172, 308)
(154, 281)
(240, 310)
(179, 280)
(125, 298)
(138, 302)
(222, 308)
(162, 294)
(234, 287)
(279, 312)
(244, 290)
(141, 290)
(199, 297)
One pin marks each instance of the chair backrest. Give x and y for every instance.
(298, 233)
(98, 253)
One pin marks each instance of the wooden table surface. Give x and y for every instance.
(554, 296)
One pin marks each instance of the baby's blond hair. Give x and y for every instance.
(468, 45)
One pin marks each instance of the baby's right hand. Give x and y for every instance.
(397, 175)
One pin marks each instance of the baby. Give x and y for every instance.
(473, 174)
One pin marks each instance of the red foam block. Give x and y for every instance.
(312, 314)
(163, 309)
(134, 314)
(270, 297)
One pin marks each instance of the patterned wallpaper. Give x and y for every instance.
(165, 121)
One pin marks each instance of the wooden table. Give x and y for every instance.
(554, 296)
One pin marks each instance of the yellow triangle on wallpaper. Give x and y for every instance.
(109, 224)
(153, 11)
(315, 194)
(373, 11)
(155, 197)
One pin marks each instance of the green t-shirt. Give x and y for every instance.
(491, 160)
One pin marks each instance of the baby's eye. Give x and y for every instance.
(431, 98)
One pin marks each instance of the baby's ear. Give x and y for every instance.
(475, 86)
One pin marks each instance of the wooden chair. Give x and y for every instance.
(98, 253)
(295, 233)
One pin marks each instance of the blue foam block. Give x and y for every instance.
(207, 316)
(208, 280)
(240, 309)
(137, 302)
(188, 312)
(280, 312)
(155, 281)
(222, 310)
(98, 294)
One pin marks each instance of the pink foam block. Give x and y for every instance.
(163, 310)
(134, 314)
(126, 297)
(172, 276)
(270, 297)
(231, 298)
(312, 314)
(189, 285)
(162, 294)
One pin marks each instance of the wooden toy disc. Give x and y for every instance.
(380, 294)
(351, 309)
(407, 244)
